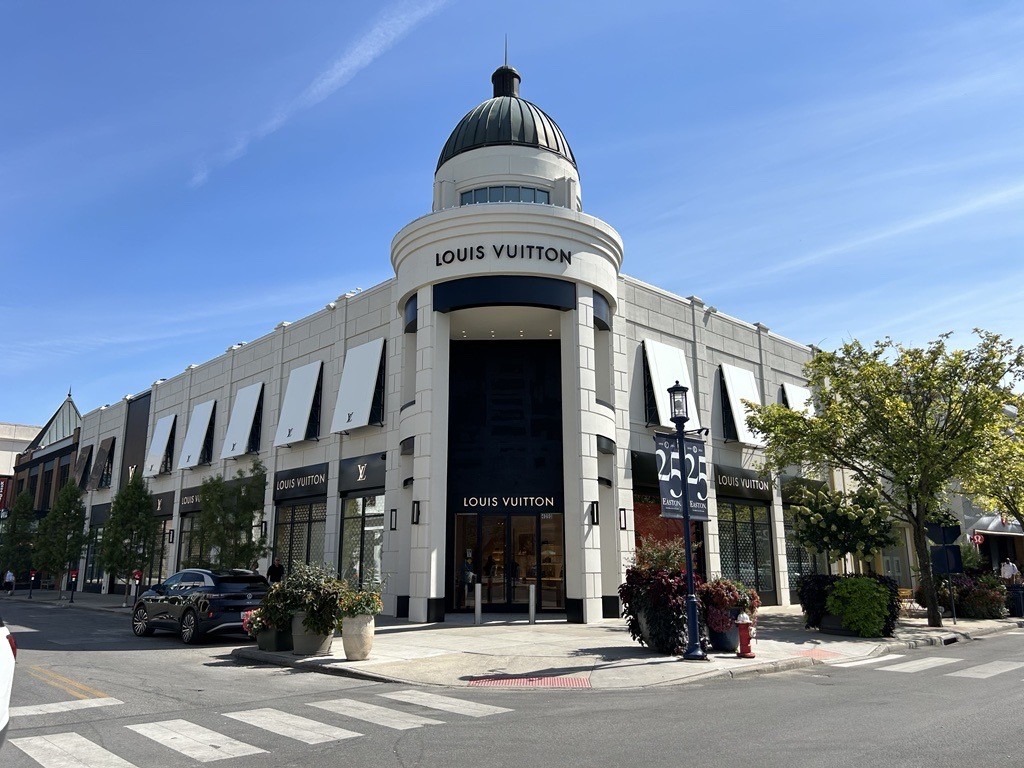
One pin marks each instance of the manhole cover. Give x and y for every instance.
(514, 681)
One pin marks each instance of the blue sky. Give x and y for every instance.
(177, 177)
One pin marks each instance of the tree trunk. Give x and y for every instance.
(924, 562)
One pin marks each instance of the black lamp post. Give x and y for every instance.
(680, 415)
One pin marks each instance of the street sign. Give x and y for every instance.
(942, 534)
(977, 539)
(946, 560)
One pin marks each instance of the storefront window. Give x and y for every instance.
(362, 540)
(799, 561)
(745, 542)
(190, 549)
(92, 582)
(299, 534)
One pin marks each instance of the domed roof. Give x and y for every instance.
(506, 119)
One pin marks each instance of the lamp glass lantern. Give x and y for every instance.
(678, 407)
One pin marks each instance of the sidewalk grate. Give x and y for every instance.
(519, 681)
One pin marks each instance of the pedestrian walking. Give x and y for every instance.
(275, 572)
(1009, 571)
(9, 581)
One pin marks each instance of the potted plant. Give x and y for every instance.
(312, 594)
(271, 623)
(358, 607)
(721, 601)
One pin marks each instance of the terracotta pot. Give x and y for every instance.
(357, 636)
(306, 643)
(274, 640)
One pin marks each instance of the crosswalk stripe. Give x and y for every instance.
(445, 703)
(192, 740)
(19, 629)
(920, 664)
(371, 713)
(63, 706)
(875, 660)
(68, 750)
(983, 671)
(292, 726)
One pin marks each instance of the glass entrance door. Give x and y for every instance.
(507, 554)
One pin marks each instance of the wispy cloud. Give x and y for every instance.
(388, 30)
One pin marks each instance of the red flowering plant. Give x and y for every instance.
(721, 598)
(254, 621)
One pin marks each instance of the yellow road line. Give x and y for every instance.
(76, 689)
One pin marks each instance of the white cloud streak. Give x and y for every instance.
(389, 29)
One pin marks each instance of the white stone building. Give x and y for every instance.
(489, 410)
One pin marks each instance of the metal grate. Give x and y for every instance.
(514, 681)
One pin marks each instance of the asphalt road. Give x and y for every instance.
(956, 705)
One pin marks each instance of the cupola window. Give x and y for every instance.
(505, 194)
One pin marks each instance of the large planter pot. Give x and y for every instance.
(728, 641)
(357, 636)
(274, 640)
(833, 625)
(306, 643)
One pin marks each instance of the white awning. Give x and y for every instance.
(158, 445)
(667, 365)
(993, 524)
(298, 400)
(196, 434)
(741, 385)
(236, 441)
(358, 382)
(798, 398)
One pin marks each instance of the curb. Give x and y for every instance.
(316, 664)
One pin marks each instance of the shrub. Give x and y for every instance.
(655, 589)
(861, 603)
(315, 590)
(977, 597)
(719, 597)
(360, 602)
(276, 608)
(814, 590)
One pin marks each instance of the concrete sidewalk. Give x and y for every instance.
(510, 652)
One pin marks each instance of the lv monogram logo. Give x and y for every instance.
(362, 472)
(350, 415)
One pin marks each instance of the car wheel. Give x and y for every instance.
(189, 629)
(140, 622)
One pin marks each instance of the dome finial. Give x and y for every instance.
(506, 81)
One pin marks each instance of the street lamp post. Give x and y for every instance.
(680, 415)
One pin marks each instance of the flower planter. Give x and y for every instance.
(274, 640)
(833, 625)
(306, 643)
(726, 641)
(357, 636)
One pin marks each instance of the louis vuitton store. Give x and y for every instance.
(486, 416)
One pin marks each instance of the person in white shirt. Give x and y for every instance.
(1009, 571)
(9, 581)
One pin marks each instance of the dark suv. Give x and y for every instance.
(197, 602)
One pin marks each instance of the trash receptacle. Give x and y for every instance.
(1015, 600)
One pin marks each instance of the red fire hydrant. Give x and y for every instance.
(746, 628)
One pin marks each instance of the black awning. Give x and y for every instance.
(82, 466)
(100, 462)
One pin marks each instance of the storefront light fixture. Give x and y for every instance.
(415, 513)
(263, 528)
(622, 518)
(595, 514)
(170, 536)
(394, 519)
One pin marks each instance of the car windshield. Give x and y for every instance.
(242, 584)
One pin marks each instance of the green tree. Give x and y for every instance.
(61, 534)
(16, 534)
(997, 482)
(230, 518)
(837, 524)
(129, 535)
(908, 420)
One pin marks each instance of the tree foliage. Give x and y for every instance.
(997, 479)
(837, 524)
(909, 420)
(230, 517)
(61, 534)
(129, 535)
(17, 533)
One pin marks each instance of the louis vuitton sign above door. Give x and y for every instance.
(362, 473)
